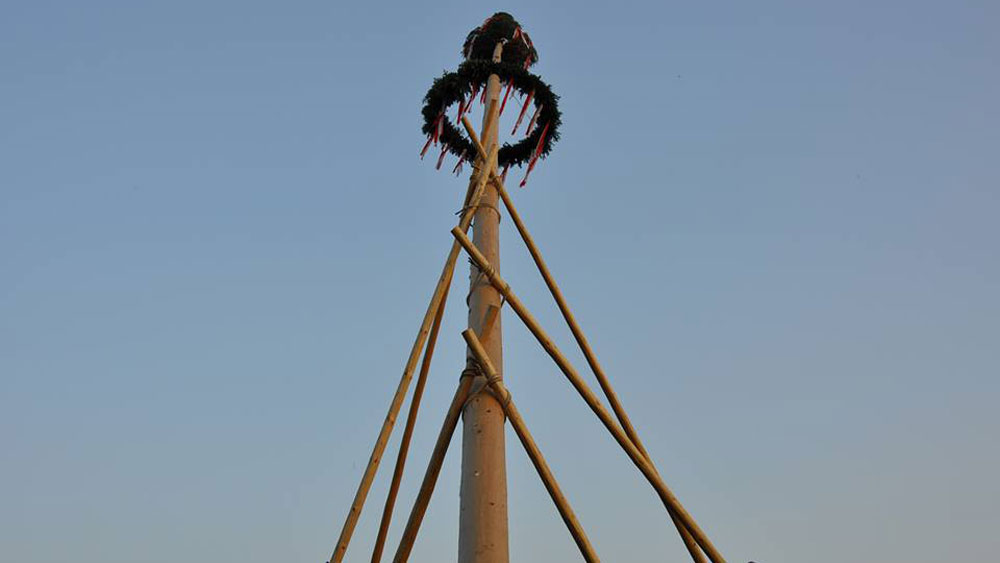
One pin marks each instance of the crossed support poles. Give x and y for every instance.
(620, 427)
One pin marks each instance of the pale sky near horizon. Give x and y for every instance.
(776, 221)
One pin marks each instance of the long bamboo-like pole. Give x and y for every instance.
(588, 353)
(692, 546)
(550, 282)
(411, 420)
(433, 470)
(574, 327)
(664, 492)
(534, 453)
(479, 182)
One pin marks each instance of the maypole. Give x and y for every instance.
(497, 55)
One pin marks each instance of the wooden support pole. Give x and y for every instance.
(482, 519)
(664, 492)
(692, 546)
(411, 420)
(433, 470)
(534, 453)
(477, 187)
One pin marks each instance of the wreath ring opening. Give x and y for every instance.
(471, 76)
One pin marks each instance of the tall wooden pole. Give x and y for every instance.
(482, 534)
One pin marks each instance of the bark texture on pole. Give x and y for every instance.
(482, 536)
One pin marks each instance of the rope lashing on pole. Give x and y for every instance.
(474, 370)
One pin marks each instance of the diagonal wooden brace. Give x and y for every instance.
(666, 496)
(404, 444)
(534, 453)
(433, 470)
(477, 186)
(595, 366)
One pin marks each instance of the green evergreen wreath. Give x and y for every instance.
(458, 87)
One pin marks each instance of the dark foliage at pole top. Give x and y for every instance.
(467, 86)
(501, 26)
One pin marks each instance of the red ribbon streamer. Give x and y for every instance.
(472, 98)
(458, 167)
(438, 125)
(531, 124)
(444, 151)
(524, 109)
(427, 145)
(510, 84)
(534, 157)
(541, 140)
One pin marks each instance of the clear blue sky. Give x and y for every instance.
(777, 222)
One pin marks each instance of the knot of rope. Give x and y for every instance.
(461, 212)
(474, 369)
(491, 274)
(491, 383)
(471, 370)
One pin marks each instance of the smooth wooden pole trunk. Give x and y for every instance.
(482, 535)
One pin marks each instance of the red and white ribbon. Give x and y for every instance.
(534, 118)
(427, 145)
(524, 109)
(538, 152)
(510, 85)
(458, 167)
(444, 151)
(438, 128)
(468, 50)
